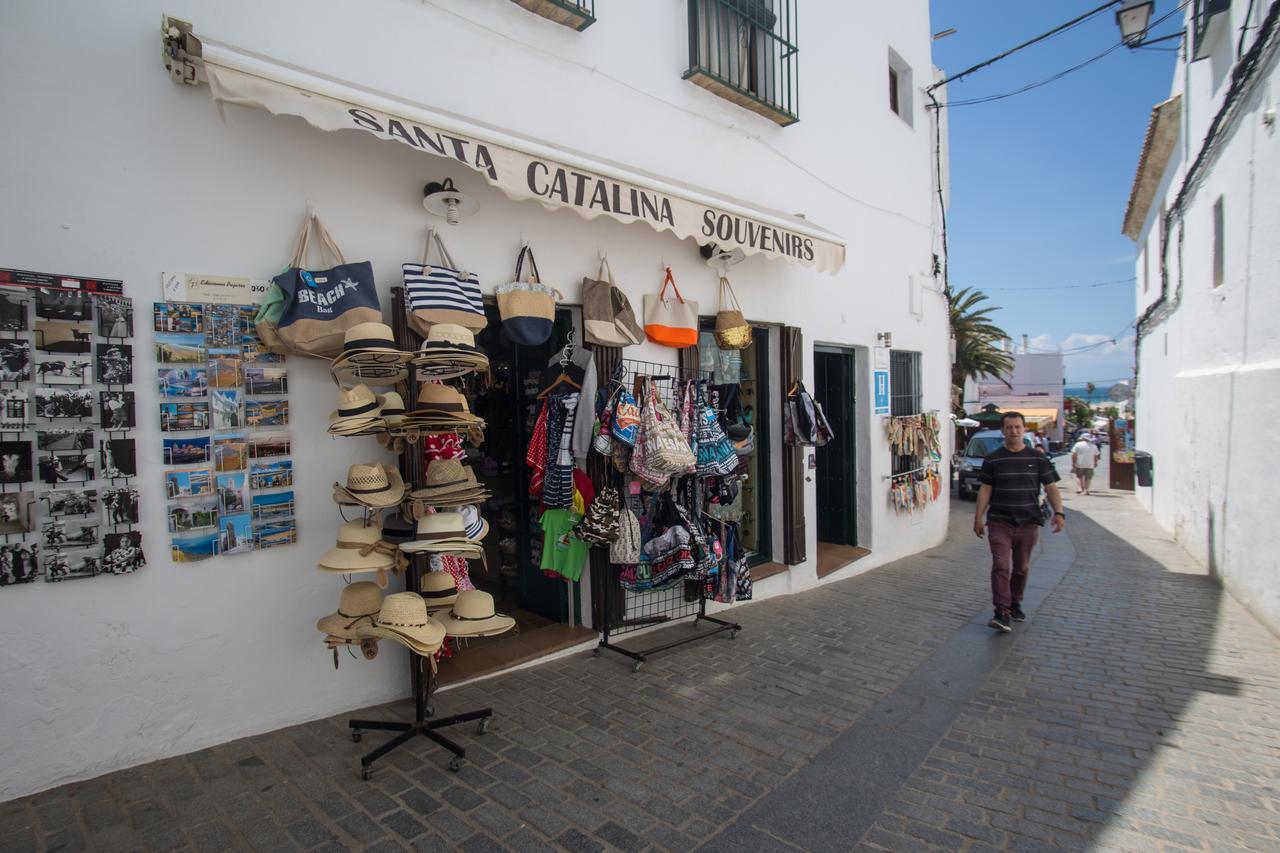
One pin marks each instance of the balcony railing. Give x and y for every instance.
(575, 14)
(745, 51)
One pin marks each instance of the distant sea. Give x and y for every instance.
(1099, 394)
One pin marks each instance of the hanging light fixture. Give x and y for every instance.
(443, 199)
(1133, 18)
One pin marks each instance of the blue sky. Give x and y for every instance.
(1039, 181)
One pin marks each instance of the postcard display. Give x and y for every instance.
(68, 502)
(223, 415)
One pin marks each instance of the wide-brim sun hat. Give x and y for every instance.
(360, 602)
(356, 550)
(392, 406)
(445, 478)
(443, 533)
(439, 590)
(473, 615)
(371, 485)
(477, 526)
(404, 619)
(358, 403)
(442, 403)
(373, 343)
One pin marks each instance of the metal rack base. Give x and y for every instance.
(641, 656)
(425, 727)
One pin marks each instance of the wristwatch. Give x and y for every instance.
(1063, 514)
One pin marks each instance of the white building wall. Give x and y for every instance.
(1209, 375)
(112, 170)
(1036, 382)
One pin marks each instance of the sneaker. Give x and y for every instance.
(1016, 612)
(1000, 622)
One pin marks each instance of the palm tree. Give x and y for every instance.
(977, 353)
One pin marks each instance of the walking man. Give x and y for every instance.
(1010, 479)
(1084, 458)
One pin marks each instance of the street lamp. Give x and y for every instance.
(1133, 19)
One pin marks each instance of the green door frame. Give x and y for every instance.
(841, 413)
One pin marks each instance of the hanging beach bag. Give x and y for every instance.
(320, 305)
(716, 456)
(528, 307)
(625, 549)
(670, 322)
(441, 293)
(607, 318)
(732, 330)
(270, 310)
(665, 447)
(600, 525)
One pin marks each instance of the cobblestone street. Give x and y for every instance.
(1136, 709)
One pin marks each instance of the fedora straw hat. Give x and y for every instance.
(439, 590)
(447, 477)
(356, 551)
(446, 337)
(392, 406)
(359, 603)
(442, 403)
(442, 532)
(358, 403)
(472, 615)
(371, 485)
(476, 525)
(371, 342)
(396, 528)
(403, 618)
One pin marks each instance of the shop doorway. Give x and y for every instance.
(835, 387)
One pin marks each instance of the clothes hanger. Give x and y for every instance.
(564, 378)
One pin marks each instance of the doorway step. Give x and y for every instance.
(832, 557)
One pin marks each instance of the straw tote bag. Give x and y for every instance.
(607, 318)
(672, 323)
(528, 307)
(320, 305)
(732, 330)
(441, 293)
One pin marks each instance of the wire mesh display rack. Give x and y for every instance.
(627, 611)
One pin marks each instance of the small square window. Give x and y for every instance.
(1219, 245)
(900, 101)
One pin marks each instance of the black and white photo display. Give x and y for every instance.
(13, 312)
(115, 364)
(15, 462)
(123, 553)
(65, 370)
(19, 563)
(63, 403)
(119, 458)
(16, 512)
(15, 361)
(117, 410)
(115, 316)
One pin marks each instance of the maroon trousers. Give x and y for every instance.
(1011, 548)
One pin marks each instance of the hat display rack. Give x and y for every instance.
(628, 610)
(376, 361)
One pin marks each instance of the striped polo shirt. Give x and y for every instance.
(1015, 480)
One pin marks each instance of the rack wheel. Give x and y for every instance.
(635, 667)
(483, 726)
(355, 735)
(455, 765)
(733, 635)
(431, 710)
(365, 773)
(595, 653)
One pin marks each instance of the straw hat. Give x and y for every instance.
(444, 533)
(396, 529)
(473, 615)
(355, 552)
(357, 407)
(477, 526)
(442, 403)
(359, 603)
(403, 618)
(371, 485)
(392, 407)
(371, 342)
(449, 351)
(445, 478)
(439, 589)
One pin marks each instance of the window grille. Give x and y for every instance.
(905, 398)
(575, 14)
(745, 51)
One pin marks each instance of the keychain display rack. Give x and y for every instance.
(627, 611)
(422, 676)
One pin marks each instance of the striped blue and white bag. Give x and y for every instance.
(441, 293)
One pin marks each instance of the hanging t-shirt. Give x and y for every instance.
(562, 552)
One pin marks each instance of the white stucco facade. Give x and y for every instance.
(1208, 362)
(112, 170)
(1034, 383)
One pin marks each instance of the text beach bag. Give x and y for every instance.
(528, 307)
(320, 305)
(607, 318)
(732, 330)
(442, 293)
(666, 450)
(670, 322)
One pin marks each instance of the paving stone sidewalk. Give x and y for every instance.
(1135, 709)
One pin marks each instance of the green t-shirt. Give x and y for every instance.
(562, 552)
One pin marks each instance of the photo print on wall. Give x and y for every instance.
(180, 317)
(64, 305)
(66, 438)
(115, 364)
(13, 312)
(119, 458)
(118, 412)
(192, 549)
(19, 563)
(115, 316)
(180, 349)
(193, 514)
(63, 338)
(70, 502)
(121, 505)
(63, 566)
(15, 361)
(67, 370)
(188, 484)
(61, 403)
(183, 381)
(184, 417)
(15, 462)
(16, 512)
(235, 534)
(75, 467)
(122, 553)
(14, 410)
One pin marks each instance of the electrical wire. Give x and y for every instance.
(1129, 280)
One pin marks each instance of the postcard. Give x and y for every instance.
(266, 380)
(67, 370)
(64, 305)
(271, 475)
(176, 417)
(54, 403)
(180, 317)
(183, 381)
(272, 533)
(232, 496)
(187, 451)
(225, 403)
(195, 514)
(70, 502)
(122, 552)
(272, 506)
(115, 364)
(115, 316)
(63, 338)
(235, 534)
(119, 457)
(266, 413)
(188, 484)
(63, 566)
(13, 410)
(15, 361)
(118, 411)
(15, 462)
(269, 445)
(74, 467)
(19, 563)
(230, 452)
(16, 512)
(180, 349)
(191, 549)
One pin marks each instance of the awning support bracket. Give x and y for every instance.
(181, 51)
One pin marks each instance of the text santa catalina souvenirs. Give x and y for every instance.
(591, 193)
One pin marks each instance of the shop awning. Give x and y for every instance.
(1037, 418)
(522, 168)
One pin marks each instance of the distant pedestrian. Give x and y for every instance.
(1084, 458)
(1010, 479)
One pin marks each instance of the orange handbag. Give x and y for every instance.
(670, 322)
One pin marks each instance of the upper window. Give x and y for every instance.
(905, 397)
(745, 51)
(900, 86)
(1219, 245)
(575, 14)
